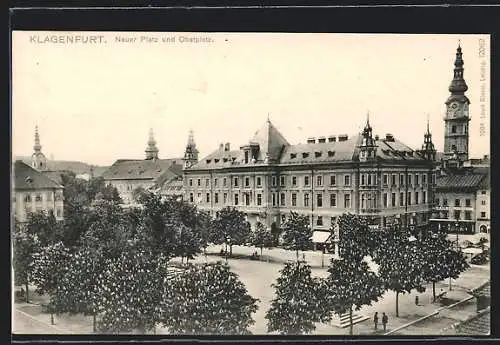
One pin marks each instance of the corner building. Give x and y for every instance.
(267, 178)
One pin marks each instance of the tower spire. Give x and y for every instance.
(190, 153)
(458, 85)
(38, 159)
(428, 149)
(37, 147)
(151, 150)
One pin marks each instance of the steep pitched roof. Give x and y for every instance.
(27, 178)
(270, 141)
(159, 169)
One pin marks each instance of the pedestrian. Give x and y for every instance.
(384, 321)
(375, 320)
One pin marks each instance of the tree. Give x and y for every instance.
(299, 301)
(75, 190)
(45, 226)
(110, 193)
(188, 242)
(351, 285)
(207, 299)
(356, 240)
(49, 266)
(130, 289)
(76, 222)
(25, 245)
(138, 194)
(297, 233)
(230, 227)
(401, 264)
(261, 237)
(77, 289)
(108, 232)
(160, 227)
(441, 261)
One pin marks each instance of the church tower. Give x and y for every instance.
(191, 153)
(38, 159)
(151, 150)
(428, 150)
(368, 148)
(456, 130)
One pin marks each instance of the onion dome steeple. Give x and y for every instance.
(458, 85)
(38, 159)
(151, 150)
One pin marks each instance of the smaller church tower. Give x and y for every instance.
(151, 150)
(428, 150)
(191, 153)
(368, 148)
(38, 159)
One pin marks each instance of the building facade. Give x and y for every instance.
(267, 178)
(35, 192)
(126, 175)
(462, 201)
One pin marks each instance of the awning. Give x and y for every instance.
(320, 236)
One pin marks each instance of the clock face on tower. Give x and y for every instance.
(454, 108)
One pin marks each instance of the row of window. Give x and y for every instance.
(368, 200)
(415, 198)
(39, 197)
(458, 215)
(458, 203)
(366, 180)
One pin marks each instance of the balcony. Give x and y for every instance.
(369, 211)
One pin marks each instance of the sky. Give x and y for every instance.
(95, 102)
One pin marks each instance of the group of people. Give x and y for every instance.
(385, 319)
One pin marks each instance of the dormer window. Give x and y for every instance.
(317, 154)
(208, 161)
(305, 154)
(28, 179)
(293, 155)
(331, 153)
(224, 160)
(216, 160)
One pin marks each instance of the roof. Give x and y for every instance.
(157, 170)
(479, 324)
(55, 175)
(473, 178)
(270, 141)
(172, 186)
(27, 178)
(273, 146)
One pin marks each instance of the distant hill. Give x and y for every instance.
(74, 166)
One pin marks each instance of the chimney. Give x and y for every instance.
(389, 137)
(221, 146)
(321, 140)
(311, 140)
(377, 137)
(332, 139)
(343, 137)
(227, 147)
